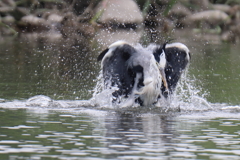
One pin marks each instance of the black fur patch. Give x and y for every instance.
(117, 72)
(176, 63)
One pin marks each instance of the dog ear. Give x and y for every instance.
(102, 54)
(119, 48)
(178, 57)
(158, 50)
(115, 68)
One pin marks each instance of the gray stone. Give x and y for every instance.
(33, 20)
(55, 18)
(179, 11)
(201, 4)
(212, 17)
(120, 11)
(6, 9)
(221, 7)
(8, 20)
(9, 2)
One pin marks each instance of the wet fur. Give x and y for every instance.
(130, 69)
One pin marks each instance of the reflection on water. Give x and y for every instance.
(44, 134)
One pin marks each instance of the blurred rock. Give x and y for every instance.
(19, 12)
(233, 34)
(31, 23)
(55, 22)
(55, 18)
(234, 12)
(236, 29)
(76, 19)
(119, 12)
(33, 20)
(227, 36)
(7, 6)
(6, 9)
(2, 100)
(105, 37)
(221, 7)
(9, 20)
(200, 4)
(74, 30)
(179, 11)
(9, 2)
(211, 17)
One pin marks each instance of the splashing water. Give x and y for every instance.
(187, 97)
(102, 98)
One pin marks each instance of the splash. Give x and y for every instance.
(188, 97)
(103, 98)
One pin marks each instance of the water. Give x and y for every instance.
(61, 70)
(201, 123)
(93, 134)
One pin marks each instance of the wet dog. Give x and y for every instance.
(142, 75)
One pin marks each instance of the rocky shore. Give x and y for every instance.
(67, 18)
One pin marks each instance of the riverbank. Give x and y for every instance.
(68, 19)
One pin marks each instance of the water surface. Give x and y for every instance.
(63, 124)
(88, 134)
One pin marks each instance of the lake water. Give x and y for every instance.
(45, 112)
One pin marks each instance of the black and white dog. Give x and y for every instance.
(142, 75)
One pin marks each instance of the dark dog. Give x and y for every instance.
(142, 75)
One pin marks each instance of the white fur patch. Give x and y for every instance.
(116, 44)
(152, 82)
(163, 61)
